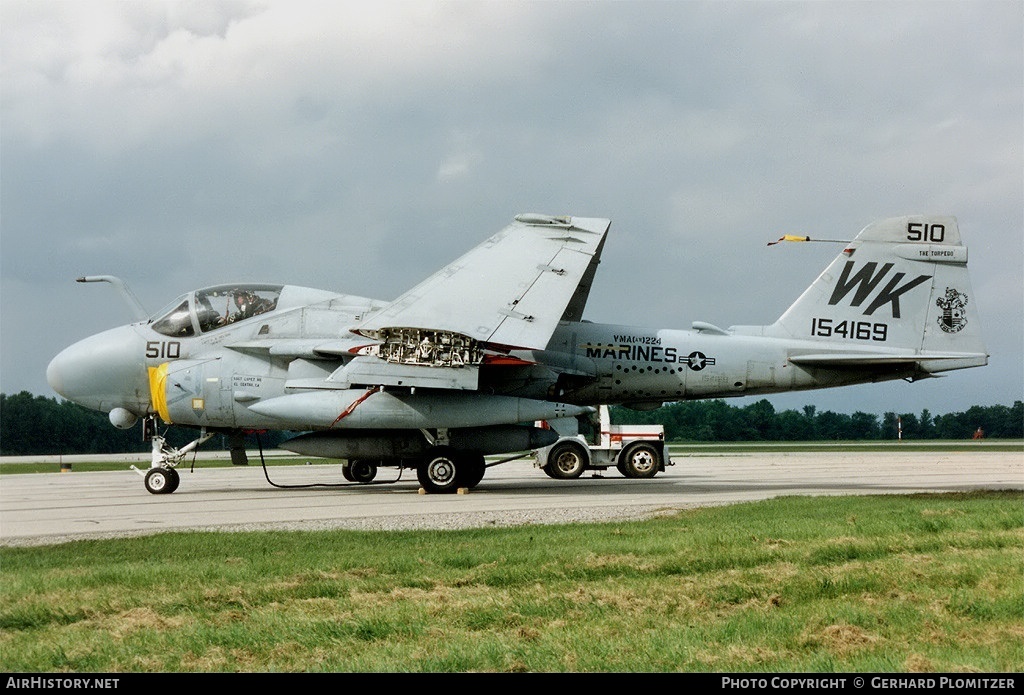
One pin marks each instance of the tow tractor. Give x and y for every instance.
(593, 443)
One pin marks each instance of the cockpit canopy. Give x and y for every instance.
(208, 309)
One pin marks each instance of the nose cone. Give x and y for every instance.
(54, 370)
(103, 372)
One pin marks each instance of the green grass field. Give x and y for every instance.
(920, 583)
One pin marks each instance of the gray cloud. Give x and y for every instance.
(358, 146)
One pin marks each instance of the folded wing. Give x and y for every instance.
(509, 292)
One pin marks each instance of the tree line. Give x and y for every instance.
(717, 421)
(36, 425)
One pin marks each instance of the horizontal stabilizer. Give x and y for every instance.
(867, 359)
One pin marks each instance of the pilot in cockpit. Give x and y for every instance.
(249, 304)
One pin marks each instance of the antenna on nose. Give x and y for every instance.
(133, 301)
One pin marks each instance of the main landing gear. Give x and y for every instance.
(359, 471)
(442, 469)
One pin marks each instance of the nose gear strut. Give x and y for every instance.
(162, 478)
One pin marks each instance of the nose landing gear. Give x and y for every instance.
(162, 478)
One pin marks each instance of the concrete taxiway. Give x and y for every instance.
(57, 507)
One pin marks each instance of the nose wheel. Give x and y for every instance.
(162, 478)
(162, 481)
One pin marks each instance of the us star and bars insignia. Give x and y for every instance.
(698, 360)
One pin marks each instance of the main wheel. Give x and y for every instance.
(471, 471)
(362, 471)
(439, 470)
(566, 461)
(640, 461)
(161, 481)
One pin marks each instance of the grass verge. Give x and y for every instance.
(929, 583)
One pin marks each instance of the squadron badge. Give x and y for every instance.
(953, 317)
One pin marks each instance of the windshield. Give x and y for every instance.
(177, 322)
(215, 307)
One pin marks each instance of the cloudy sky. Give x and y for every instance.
(358, 146)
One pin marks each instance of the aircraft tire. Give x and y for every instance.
(175, 479)
(640, 461)
(346, 471)
(162, 481)
(566, 461)
(472, 470)
(438, 472)
(362, 471)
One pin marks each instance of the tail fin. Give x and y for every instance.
(898, 293)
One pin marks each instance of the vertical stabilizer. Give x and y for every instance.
(899, 288)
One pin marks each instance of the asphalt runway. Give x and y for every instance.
(45, 508)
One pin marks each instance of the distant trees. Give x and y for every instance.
(716, 421)
(35, 425)
(38, 425)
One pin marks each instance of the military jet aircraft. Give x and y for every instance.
(460, 365)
